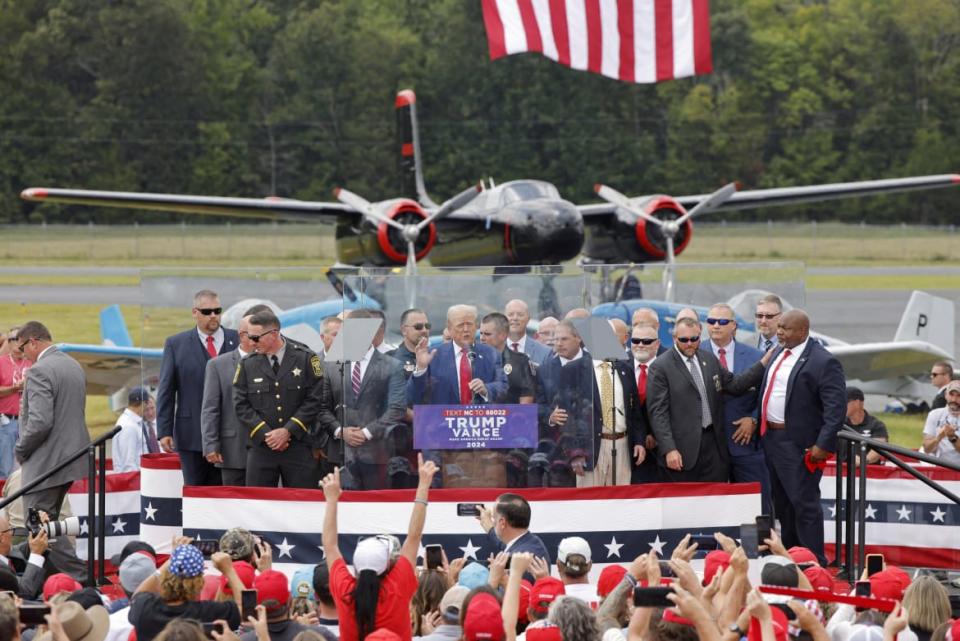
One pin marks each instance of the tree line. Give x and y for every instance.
(293, 97)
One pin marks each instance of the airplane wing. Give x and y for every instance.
(109, 369)
(755, 198)
(260, 208)
(876, 361)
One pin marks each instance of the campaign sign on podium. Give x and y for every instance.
(465, 427)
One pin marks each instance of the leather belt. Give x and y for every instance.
(771, 425)
(612, 437)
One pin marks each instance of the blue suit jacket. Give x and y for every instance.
(438, 386)
(536, 351)
(180, 392)
(816, 397)
(736, 407)
(528, 542)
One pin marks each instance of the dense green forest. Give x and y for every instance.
(293, 97)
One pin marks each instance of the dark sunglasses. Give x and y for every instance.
(719, 321)
(207, 311)
(692, 339)
(767, 316)
(256, 337)
(935, 374)
(643, 341)
(419, 326)
(21, 345)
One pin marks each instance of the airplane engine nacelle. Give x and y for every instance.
(392, 243)
(632, 239)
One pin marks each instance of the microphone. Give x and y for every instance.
(472, 356)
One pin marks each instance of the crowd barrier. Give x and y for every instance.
(907, 522)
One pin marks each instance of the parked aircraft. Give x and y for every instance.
(517, 223)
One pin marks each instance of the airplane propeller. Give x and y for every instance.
(669, 228)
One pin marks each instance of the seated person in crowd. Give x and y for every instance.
(860, 420)
(940, 432)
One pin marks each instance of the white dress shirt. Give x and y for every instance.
(129, 443)
(777, 402)
(564, 361)
(217, 338)
(521, 344)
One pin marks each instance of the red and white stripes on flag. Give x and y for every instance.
(631, 40)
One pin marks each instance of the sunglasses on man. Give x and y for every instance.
(210, 311)
(719, 321)
(419, 326)
(763, 316)
(692, 339)
(256, 337)
(643, 341)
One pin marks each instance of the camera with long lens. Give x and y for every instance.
(69, 526)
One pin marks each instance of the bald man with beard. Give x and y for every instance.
(803, 405)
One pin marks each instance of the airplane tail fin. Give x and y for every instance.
(928, 318)
(113, 330)
(408, 139)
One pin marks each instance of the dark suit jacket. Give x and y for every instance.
(528, 542)
(379, 407)
(675, 402)
(438, 385)
(736, 406)
(180, 391)
(816, 404)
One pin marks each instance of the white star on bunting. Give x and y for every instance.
(903, 514)
(938, 515)
(871, 512)
(118, 526)
(151, 512)
(284, 549)
(657, 545)
(613, 548)
(470, 550)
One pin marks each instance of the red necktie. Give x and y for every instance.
(642, 383)
(211, 348)
(466, 373)
(516, 347)
(766, 395)
(723, 358)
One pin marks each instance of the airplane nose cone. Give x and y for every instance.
(546, 232)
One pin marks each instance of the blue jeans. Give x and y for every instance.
(8, 440)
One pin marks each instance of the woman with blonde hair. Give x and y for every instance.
(928, 604)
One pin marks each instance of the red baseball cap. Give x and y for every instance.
(272, 585)
(803, 556)
(886, 585)
(383, 634)
(953, 632)
(543, 633)
(610, 577)
(779, 626)
(545, 591)
(57, 583)
(820, 579)
(525, 588)
(902, 576)
(715, 561)
(245, 572)
(483, 619)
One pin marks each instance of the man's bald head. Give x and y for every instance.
(794, 328)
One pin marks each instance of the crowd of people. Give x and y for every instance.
(524, 591)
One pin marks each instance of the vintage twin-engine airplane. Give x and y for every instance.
(517, 223)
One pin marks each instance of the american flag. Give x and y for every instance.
(122, 510)
(631, 40)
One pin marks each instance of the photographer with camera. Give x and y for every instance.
(30, 582)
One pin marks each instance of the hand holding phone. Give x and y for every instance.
(874, 564)
(433, 556)
(652, 597)
(468, 509)
(248, 604)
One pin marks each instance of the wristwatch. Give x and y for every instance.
(735, 629)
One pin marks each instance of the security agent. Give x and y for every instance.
(517, 366)
(279, 391)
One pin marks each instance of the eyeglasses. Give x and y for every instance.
(643, 341)
(419, 326)
(21, 345)
(936, 374)
(256, 337)
(692, 339)
(720, 321)
(208, 311)
(766, 316)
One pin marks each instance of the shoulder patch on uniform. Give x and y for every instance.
(317, 367)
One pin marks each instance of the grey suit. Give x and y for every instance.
(536, 351)
(676, 416)
(219, 425)
(379, 408)
(52, 428)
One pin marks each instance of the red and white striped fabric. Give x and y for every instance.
(631, 40)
